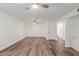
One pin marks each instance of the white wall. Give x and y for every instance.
(72, 33)
(56, 28)
(38, 29)
(44, 28)
(11, 30)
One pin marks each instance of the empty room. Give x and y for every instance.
(39, 29)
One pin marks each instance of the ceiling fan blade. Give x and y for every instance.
(44, 5)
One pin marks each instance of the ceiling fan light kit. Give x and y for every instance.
(35, 6)
(38, 5)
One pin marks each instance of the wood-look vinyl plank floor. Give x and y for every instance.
(29, 47)
(38, 46)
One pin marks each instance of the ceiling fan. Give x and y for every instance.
(39, 5)
(37, 21)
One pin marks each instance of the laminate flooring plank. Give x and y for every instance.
(38, 46)
(29, 47)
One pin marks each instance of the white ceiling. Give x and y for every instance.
(55, 11)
